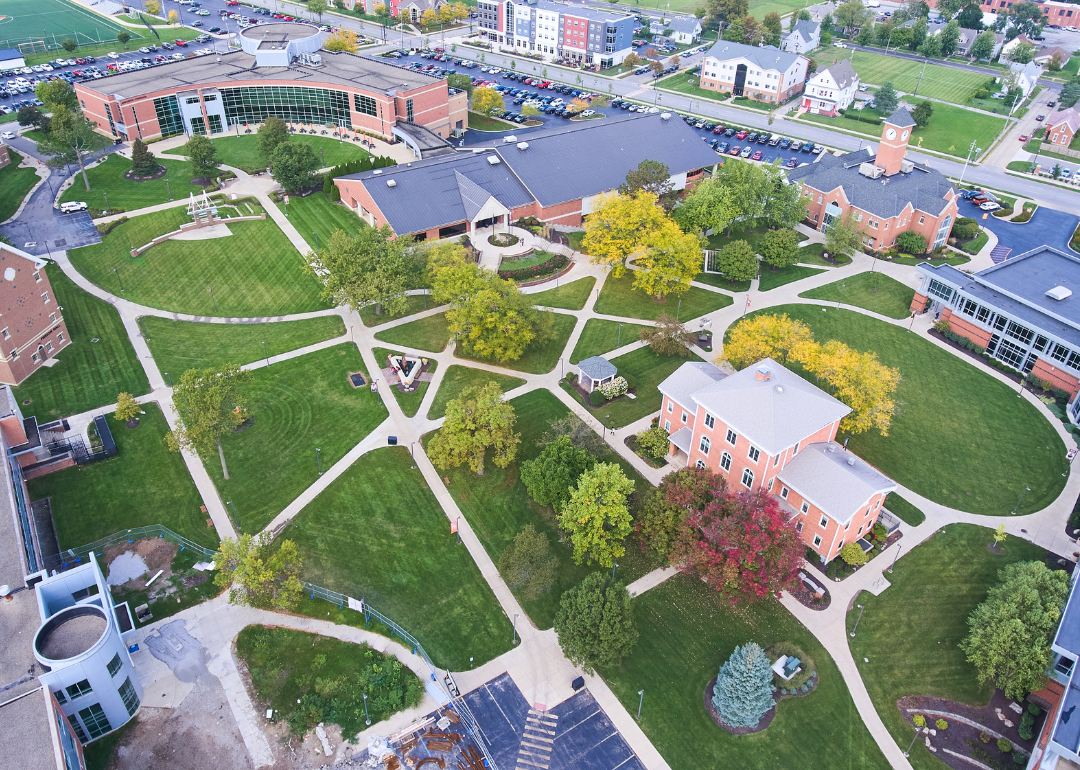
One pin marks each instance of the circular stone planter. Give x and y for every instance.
(503, 241)
(162, 171)
(761, 726)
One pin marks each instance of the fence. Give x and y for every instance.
(73, 557)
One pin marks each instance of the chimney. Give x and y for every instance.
(763, 373)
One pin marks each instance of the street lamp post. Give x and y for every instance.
(318, 459)
(118, 279)
(1026, 490)
(862, 609)
(678, 310)
(895, 556)
(412, 453)
(212, 299)
(640, 701)
(316, 239)
(233, 507)
(973, 149)
(267, 357)
(167, 377)
(514, 640)
(169, 186)
(366, 714)
(613, 566)
(459, 529)
(106, 202)
(607, 420)
(618, 340)
(907, 753)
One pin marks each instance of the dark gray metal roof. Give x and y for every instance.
(597, 367)
(589, 157)
(1068, 633)
(473, 196)
(924, 187)
(765, 56)
(806, 28)
(901, 118)
(427, 141)
(1017, 287)
(428, 194)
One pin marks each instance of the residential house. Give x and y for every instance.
(831, 89)
(766, 429)
(413, 10)
(1025, 76)
(685, 29)
(1061, 127)
(804, 37)
(885, 191)
(764, 73)
(821, 10)
(1025, 312)
(968, 37)
(1009, 47)
(1046, 55)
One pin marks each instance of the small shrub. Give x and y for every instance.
(880, 533)
(1034, 709)
(1025, 732)
(941, 724)
(596, 398)
(1004, 746)
(985, 737)
(614, 389)
(107, 227)
(1019, 758)
(1028, 720)
(919, 720)
(783, 691)
(942, 327)
(1023, 216)
(654, 442)
(853, 554)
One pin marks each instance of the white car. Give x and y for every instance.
(71, 206)
(7, 135)
(990, 206)
(178, 56)
(113, 55)
(839, 44)
(144, 49)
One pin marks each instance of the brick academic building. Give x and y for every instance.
(32, 328)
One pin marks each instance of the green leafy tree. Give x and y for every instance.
(780, 248)
(773, 28)
(477, 420)
(272, 133)
(886, 98)
(851, 15)
(57, 94)
(595, 623)
(143, 162)
(670, 262)
(970, 17)
(29, 115)
(203, 155)
(1027, 17)
(650, 176)
(1070, 93)
(293, 166)
(950, 38)
(317, 7)
(911, 242)
(371, 267)
(854, 555)
(844, 236)
(70, 136)
(922, 112)
(664, 509)
(551, 477)
(654, 442)
(742, 695)
(866, 35)
(68, 45)
(460, 82)
(751, 186)
(580, 435)
(984, 45)
(1023, 53)
(123, 37)
(708, 207)
(919, 32)
(931, 47)
(1010, 632)
(596, 517)
(527, 565)
(668, 337)
(737, 261)
(487, 101)
(208, 403)
(258, 573)
(127, 408)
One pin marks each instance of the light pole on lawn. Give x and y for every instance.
(265, 355)
(169, 186)
(613, 566)
(641, 700)
(607, 420)
(316, 239)
(318, 459)
(118, 279)
(862, 609)
(895, 556)
(514, 640)
(618, 340)
(366, 714)
(167, 377)
(1026, 490)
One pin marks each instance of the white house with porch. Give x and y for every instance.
(594, 372)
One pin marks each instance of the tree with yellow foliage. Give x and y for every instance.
(621, 226)
(429, 18)
(670, 262)
(174, 17)
(777, 337)
(342, 40)
(861, 381)
(487, 101)
(152, 7)
(578, 104)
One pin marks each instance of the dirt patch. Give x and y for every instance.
(132, 424)
(203, 181)
(995, 549)
(156, 552)
(762, 725)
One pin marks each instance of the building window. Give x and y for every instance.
(725, 461)
(215, 124)
(670, 407)
(52, 317)
(753, 453)
(78, 730)
(805, 507)
(60, 697)
(700, 464)
(365, 105)
(817, 541)
(79, 689)
(667, 425)
(60, 338)
(796, 451)
(37, 277)
(95, 721)
(860, 529)
(168, 116)
(748, 478)
(704, 445)
(940, 290)
(409, 110)
(784, 492)
(4, 332)
(710, 421)
(114, 665)
(732, 437)
(824, 520)
(45, 297)
(798, 526)
(48, 346)
(253, 104)
(684, 415)
(14, 355)
(129, 697)
(776, 461)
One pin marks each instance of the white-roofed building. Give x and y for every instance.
(767, 429)
(764, 73)
(685, 29)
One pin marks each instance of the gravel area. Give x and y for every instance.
(74, 636)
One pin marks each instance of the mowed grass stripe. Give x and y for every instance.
(945, 83)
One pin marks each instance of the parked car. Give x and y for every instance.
(989, 206)
(756, 156)
(741, 135)
(735, 150)
(746, 151)
(7, 135)
(793, 163)
(1040, 118)
(73, 206)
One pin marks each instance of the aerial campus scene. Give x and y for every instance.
(539, 385)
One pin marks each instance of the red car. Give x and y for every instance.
(1040, 118)
(735, 150)
(756, 155)
(719, 130)
(181, 43)
(741, 135)
(793, 163)
(1023, 137)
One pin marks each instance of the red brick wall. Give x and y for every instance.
(959, 325)
(918, 304)
(5, 157)
(1061, 134)
(887, 229)
(1046, 370)
(568, 213)
(45, 470)
(28, 319)
(353, 192)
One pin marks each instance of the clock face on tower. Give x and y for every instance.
(890, 133)
(904, 135)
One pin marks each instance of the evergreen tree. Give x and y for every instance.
(743, 691)
(143, 162)
(886, 98)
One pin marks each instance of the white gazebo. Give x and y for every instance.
(594, 372)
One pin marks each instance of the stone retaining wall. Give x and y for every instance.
(192, 226)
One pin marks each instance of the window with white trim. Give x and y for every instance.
(817, 541)
(670, 407)
(710, 421)
(798, 527)
(753, 453)
(725, 461)
(703, 446)
(684, 418)
(45, 297)
(701, 464)
(805, 508)
(784, 492)
(732, 437)
(824, 520)
(667, 425)
(748, 478)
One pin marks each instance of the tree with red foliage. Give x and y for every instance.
(742, 545)
(665, 508)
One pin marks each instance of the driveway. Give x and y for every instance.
(1048, 226)
(40, 228)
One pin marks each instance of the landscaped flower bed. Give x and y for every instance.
(553, 265)
(503, 240)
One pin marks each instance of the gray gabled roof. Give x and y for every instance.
(924, 188)
(842, 73)
(681, 385)
(597, 367)
(806, 28)
(685, 24)
(772, 413)
(766, 56)
(901, 118)
(473, 196)
(836, 481)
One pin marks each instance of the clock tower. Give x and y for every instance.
(894, 141)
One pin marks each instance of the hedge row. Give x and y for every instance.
(552, 266)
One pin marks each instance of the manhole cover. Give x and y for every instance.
(95, 340)
(61, 242)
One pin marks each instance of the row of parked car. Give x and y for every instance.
(986, 201)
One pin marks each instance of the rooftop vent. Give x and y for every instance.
(870, 171)
(1059, 293)
(665, 116)
(763, 373)
(477, 150)
(377, 171)
(779, 388)
(391, 183)
(906, 166)
(509, 139)
(523, 145)
(494, 160)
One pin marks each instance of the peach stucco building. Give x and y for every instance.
(765, 428)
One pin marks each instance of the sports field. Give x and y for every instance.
(758, 8)
(945, 83)
(33, 24)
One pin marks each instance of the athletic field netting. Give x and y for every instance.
(32, 26)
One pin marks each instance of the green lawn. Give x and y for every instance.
(569, 296)
(414, 304)
(770, 280)
(108, 180)
(89, 374)
(644, 370)
(479, 122)
(870, 291)
(498, 506)
(537, 359)
(917, 653)
(950, 130)
(429, 334)
(811, 254)
(296, 406)
(976, 244)
(15, 184)
(318, 214)
(686, 633)
(377, 533)
(241, 152)
(534, 258)
(409, 402)
(688, 84)
(458, 378)
(600, 335)
(991, 433)
(255, 271)
(143, 484)
(720, 282)
(181, 345)
(905, 510)
(938, 82)
(620, 298)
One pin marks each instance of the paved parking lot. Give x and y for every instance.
(1047, 226)
(581, 735)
